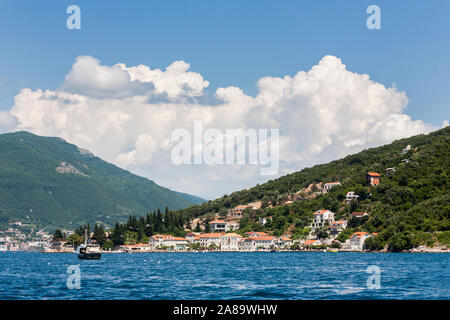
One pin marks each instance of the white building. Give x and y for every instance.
(264, 220)
(329, 185)
(359, 214)
(283, 242)
(218, 226)
(207, 239)
(263, 242)
(350, 196)
(230, 242)
(312, 242)
(168, 241)
(356, 241)
(323, 218)
(246, 244)
(337, 226)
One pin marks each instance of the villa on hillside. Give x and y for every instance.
(218, 226)
(236, 212)
(390, 171)
(322, 218)
(223, 226)
(264, 220)
(359, 214)
(350, 196)
(336, 227)
(329, 185)
(372, 178)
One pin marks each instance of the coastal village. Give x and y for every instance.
(223, 231)
(224, 236)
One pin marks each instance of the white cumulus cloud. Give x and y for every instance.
(126, 115)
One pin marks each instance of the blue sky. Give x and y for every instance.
(234, 42)
(324, 114)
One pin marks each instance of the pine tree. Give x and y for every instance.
(99, 235)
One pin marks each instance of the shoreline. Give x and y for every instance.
(416, 250)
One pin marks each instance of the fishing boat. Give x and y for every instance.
(88, 251)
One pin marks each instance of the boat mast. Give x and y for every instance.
(85, 236)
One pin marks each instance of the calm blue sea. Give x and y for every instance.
(301, 275)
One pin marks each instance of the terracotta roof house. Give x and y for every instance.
(372, 178)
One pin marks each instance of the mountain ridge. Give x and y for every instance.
(49, 182)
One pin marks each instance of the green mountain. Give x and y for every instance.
(51, 183)
(409, 207)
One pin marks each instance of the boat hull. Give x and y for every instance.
(90, 256)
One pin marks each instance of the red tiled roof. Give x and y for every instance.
(211, 235)
(374, 174)
(263, 238)
(217, 221)
(320, 211)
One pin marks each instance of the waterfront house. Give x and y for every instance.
(167, 241)
(139, 247)
(329, 185)
(312, 242)
(230, 242)
(359, 214)
(372, 178)
(207, 239)
(322, 218)
(246, 244)
(263, 242)
(283, 242)
(356, 241)
(190, 236)
(350, 196)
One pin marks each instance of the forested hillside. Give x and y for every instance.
(48, 182)
(409, 207)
